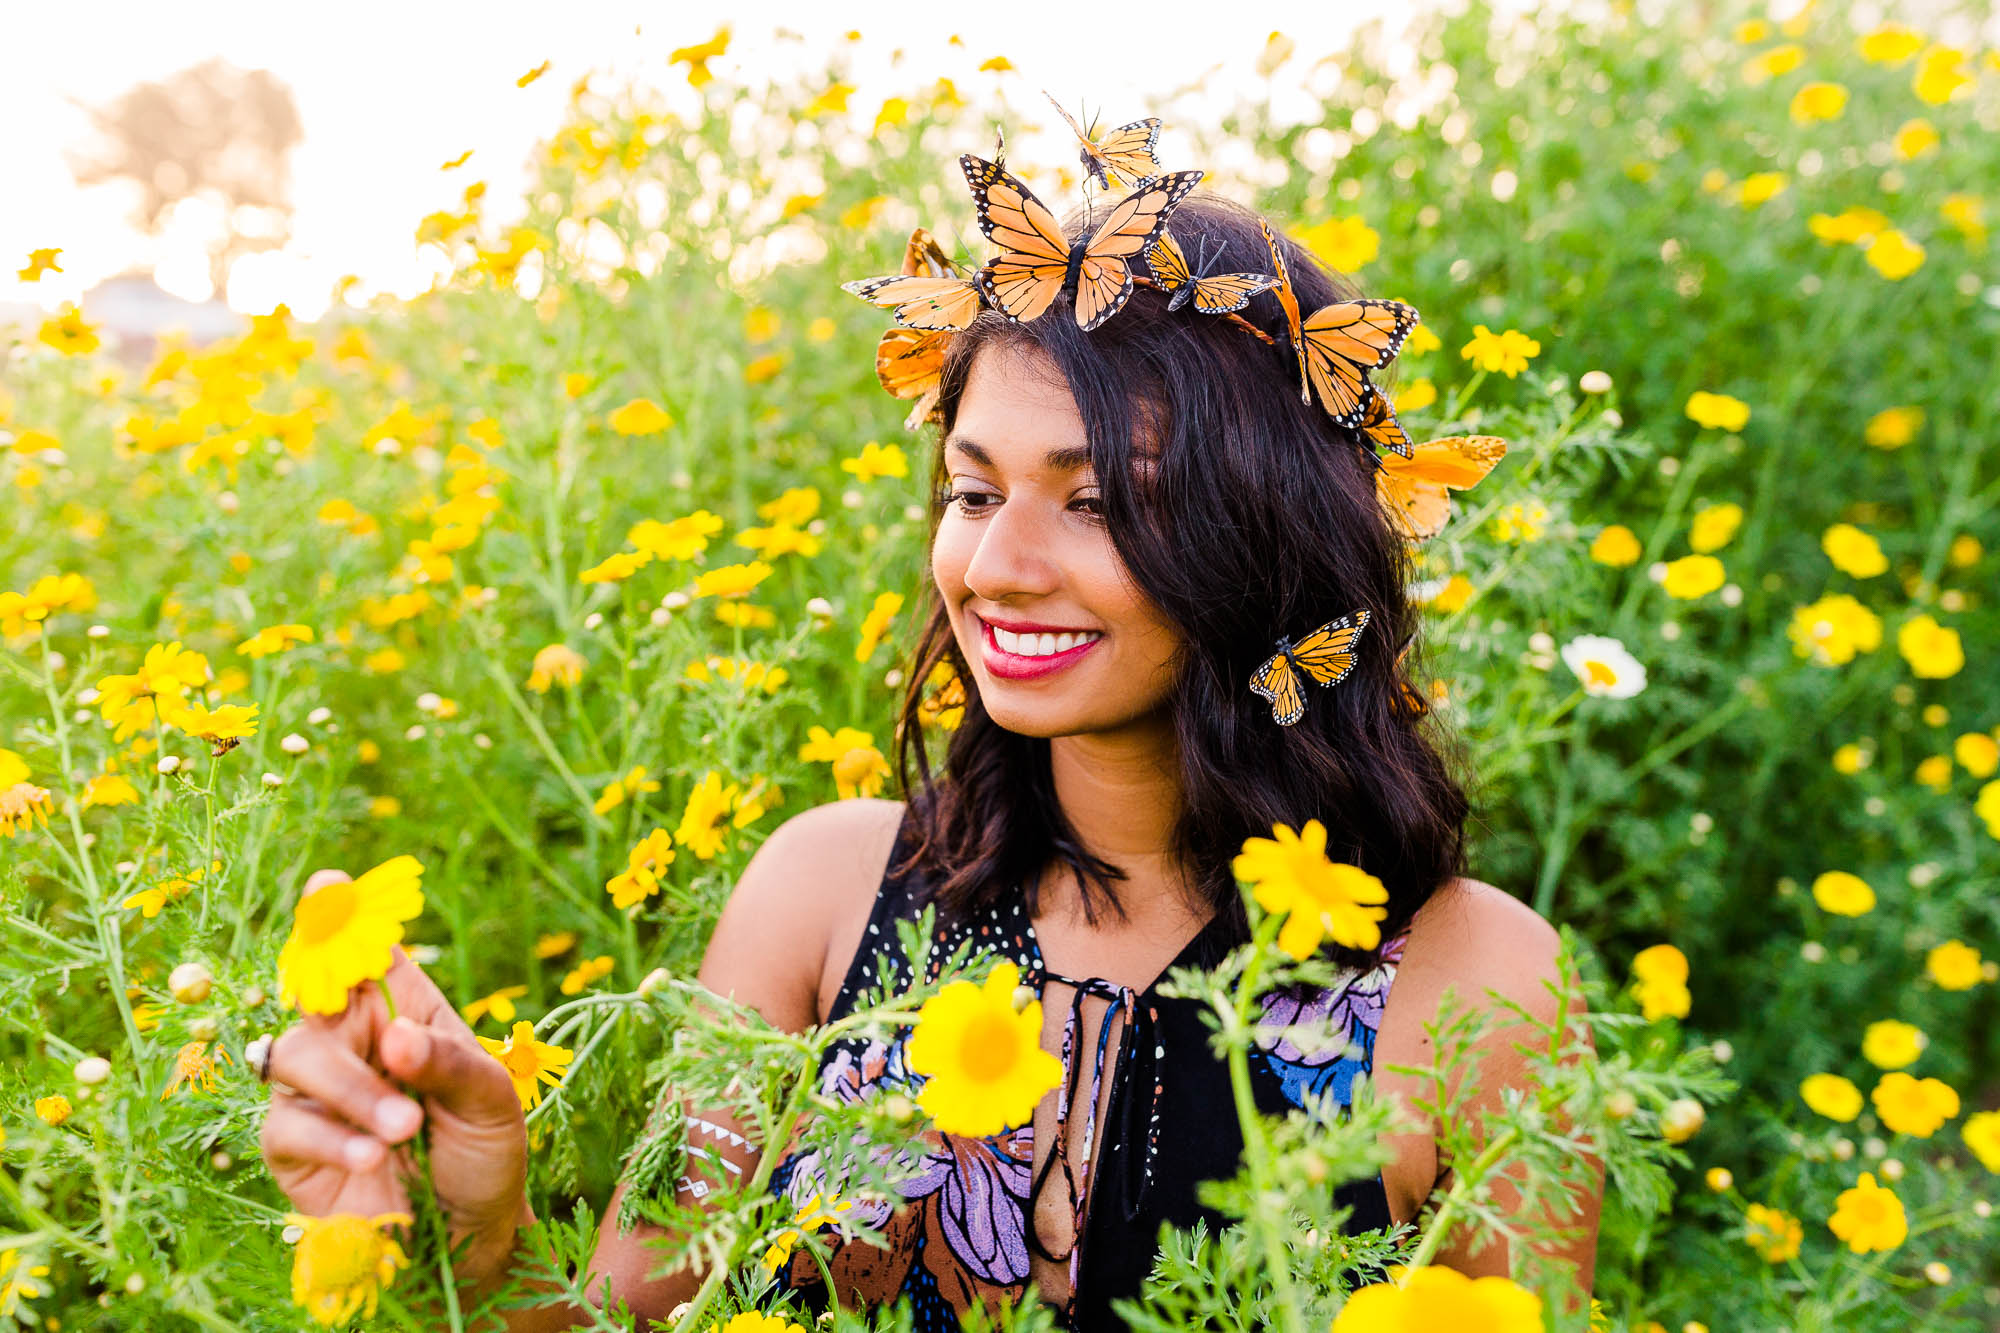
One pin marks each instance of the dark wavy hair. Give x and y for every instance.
(1243, 514)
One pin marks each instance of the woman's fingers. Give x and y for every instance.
(452, 1067)
(296, 1134)
(321, 1065)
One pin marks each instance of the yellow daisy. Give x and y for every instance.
(342, 935)
(342, 1263)
(982, 1060)
(1293, 874)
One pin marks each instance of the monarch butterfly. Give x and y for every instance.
(1126, 152)
(1213, 295)
(1414, 490)
(1408, 702)
(1380, 424)
(1326, 655)
(928, 294)
(1037, 261)
(1339, 344)
(910, 362)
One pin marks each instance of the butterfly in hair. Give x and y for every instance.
(1326, 655)
(1216, 294)
(1379, 424)
(1339, 344)
(1415, 491)
(928, 293)
(1037, 262)
(910, 365)
(1127, 153)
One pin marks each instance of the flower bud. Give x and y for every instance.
(222, 1161)
(169, 764)
(294, 744)
(1892, 1170)
(1022, 998)
(190, 983)
(1719, 1178)
(319, 717)
(1594, 381)
(273, 781)
(1620, 1104)
(1936, 1273)
(655, 979)
(204, 1028)
(92, 1070)
(252, 996)
(898, 1108)
(1682, 1119)
(820, 610)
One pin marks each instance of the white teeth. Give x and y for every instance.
(1039, 645)
(1047, 646)
(1064, 642)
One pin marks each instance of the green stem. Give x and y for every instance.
(1256, 1146)
(1447, 1212)
(422, 1157)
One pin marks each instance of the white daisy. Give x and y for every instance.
(1604, 666)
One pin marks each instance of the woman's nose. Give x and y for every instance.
(1014, 556)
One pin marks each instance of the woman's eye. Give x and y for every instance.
(1096, 503)
(965, 500)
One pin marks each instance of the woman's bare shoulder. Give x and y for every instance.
(812, 880)
(1473, 937)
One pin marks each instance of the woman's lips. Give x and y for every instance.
(1015, 666)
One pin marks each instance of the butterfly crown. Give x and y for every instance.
(1337, 347)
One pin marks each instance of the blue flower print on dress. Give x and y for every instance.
(1348, 1015)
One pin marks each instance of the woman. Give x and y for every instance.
(1129, 519)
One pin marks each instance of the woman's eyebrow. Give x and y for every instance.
(1056, 460)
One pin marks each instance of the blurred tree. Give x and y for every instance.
(209, 150)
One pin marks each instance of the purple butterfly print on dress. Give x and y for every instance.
(1346, 1016)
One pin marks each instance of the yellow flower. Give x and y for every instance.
(745, 615)
(556, 664)
(1453, 596)
(221, 727)
(108, 789)
(996, 65)
(529, 1063)
(732, 580)
(576, 384)
(554, 945)
(1941, 73)
(1987, 806)
(615, 567)
(274, 639)
(383, 662)
(1420, 395)
(195, 1068)
(1890, 44)
(1774, 1235)
(860, 772)
(1752, 31)
(641, 416)
(1421, 340)
(1692, 576)
(17, 1275)
(1521, 521)
(696, 57)
(1714, 525)
(834, 99)
(1717, 411)
(1506, 352)
(778, 540)
(384, 807)
(764, 368)
(1661, 986)
(795, 508)
(1967, 212)
(1914, 139)
(132, 702)
(1761, 187)
(1914, 1106)
(1292, 874)
(13, 769)
(52, 1110)
(1681, 1119)
(761, 324)
(1833, 629)
(500, 1004)
(1853, 551)
(343, 1262)
(1890, 1044)
(618, 790)
(1848, 760)
(644, 865)
(49, 594)
(1818, 101)
(1934, 771)
(1774, 62)
(817, 1211)
(1843, 894)
(1615, 546)
(877, 460)
(821, 330)
(876, 623)
(752, 805)
(824, 748)
(1869, 1217)
(586, 972)
(1832, 1096)
(1344, 244)
(21, 805)
(708, 805)
(1932, 650)
(856, 217)
(68, 333)
(983, 1064)
(1894, 255)
(1981, 1132)
(342, 934)
(1441, 1298)
(1978, 753)
(39, 262)
(1855, 225)
(681, 539)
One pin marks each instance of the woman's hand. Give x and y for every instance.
(332, 1141)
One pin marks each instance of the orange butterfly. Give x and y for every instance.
(928, 294)
(1339, 344)
(1037, 261)
(909, 362)
(1380, 424)
(1326, 655)
(1126, 152)
(1408, 702)
(1415, 490)
(1215, 295)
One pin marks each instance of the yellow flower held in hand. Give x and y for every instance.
(1869, 1217)
(529, 1063)
(983, 1064)
(1434, 1298)
(342, 935)
(343, 1262)
(1291, 873)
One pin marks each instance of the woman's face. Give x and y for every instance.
(1060, 639)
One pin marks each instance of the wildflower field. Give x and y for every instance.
(549, 594)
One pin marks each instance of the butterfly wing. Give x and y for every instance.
(1104, 275)
(924, 257)
(1276, 681)
(1414, 490)
(1379, 424)
(1346, 340)
(922, 302)
(1283, 291)
(1170, 267)
(1129, 150)
(910, 362)
(1327, 654)
(1226, 293)
(1025, 279)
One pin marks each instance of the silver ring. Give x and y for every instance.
(258, 1056)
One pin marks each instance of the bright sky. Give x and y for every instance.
(389, 89)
